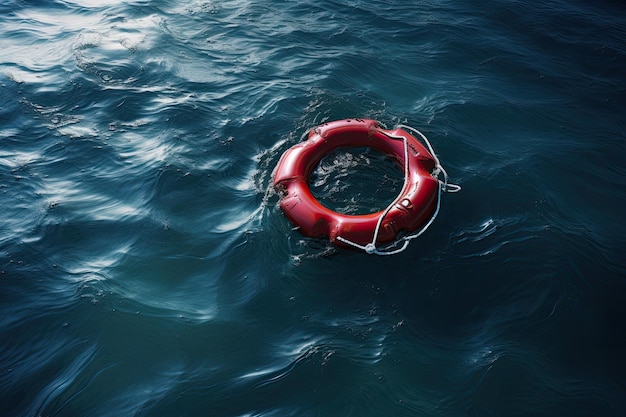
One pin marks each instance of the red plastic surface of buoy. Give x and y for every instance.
(411, 210)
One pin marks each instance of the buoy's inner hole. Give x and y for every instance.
(356, 180)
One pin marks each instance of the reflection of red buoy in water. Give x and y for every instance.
(405, 218)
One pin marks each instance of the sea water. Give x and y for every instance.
(147, 270)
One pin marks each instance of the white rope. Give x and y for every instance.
(387, 250)
(450, 188)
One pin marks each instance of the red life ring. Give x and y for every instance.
(416, 205)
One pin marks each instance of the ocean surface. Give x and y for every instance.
(146, 268)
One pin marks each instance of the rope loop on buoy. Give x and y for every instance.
(444, 186)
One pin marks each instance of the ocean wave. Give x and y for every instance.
(146, 266)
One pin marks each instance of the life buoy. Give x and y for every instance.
(415, 206)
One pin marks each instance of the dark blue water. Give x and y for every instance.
(146, 268)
